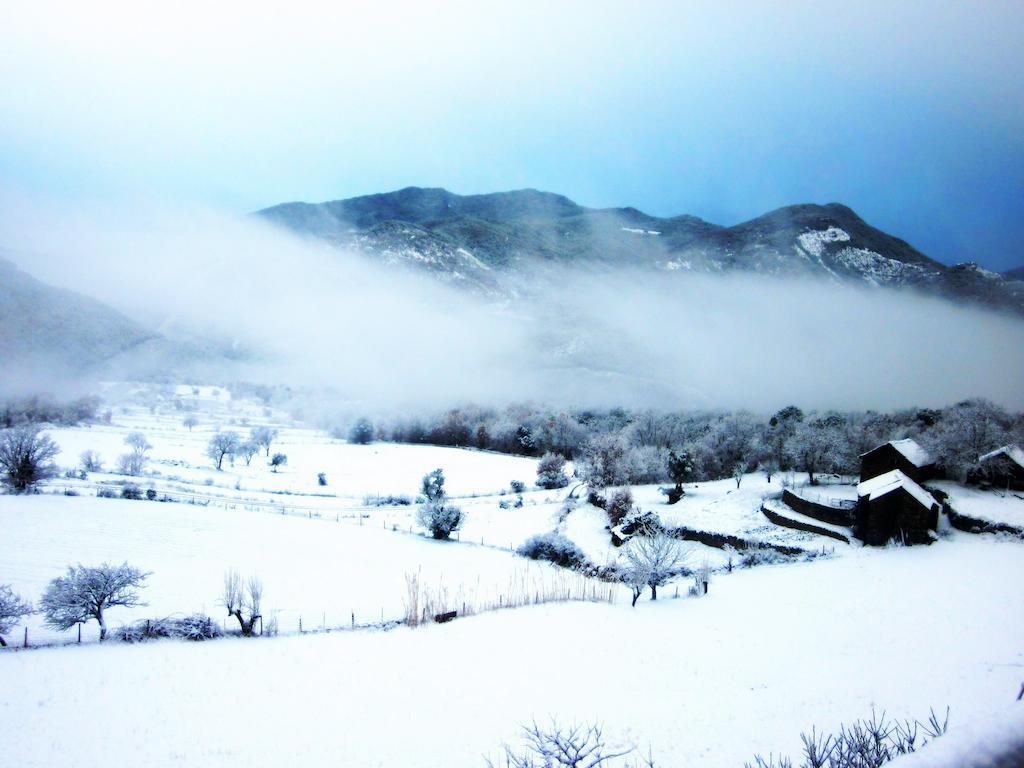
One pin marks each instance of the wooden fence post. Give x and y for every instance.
(25, 645)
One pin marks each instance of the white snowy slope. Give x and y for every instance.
(769, 653)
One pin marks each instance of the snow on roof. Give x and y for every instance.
(910, 449)
(890, 481)
(1012, 452)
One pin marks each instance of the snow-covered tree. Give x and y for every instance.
(605, 462)
(26, 458)
(264, 437)
(551, 472)
(362, 432)
(137, 442)
(247, 450)
(91, 461)
(243, 602)
(436, 513)
(815, 444)
(223, 444)
(278, 460)
(190, 421)
(965, 432)
(681, 468)
(133, 463)
(652, 558)
(88, 592)
(12, 610)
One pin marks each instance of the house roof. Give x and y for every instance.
(911, 451)
(1012, 452)
(890, 481)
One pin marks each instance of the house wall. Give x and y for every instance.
(895, 515)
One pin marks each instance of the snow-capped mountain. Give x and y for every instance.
(479, 240)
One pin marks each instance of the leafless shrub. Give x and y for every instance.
(575, 746)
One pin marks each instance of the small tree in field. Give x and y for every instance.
(91, 461)
(278, 460)
(264, 437)
(222, 444)
(243, 602)
(12, 610)
(436, 514)
(551, 472)
(134, 462)
(680, 470)
(87, 593)
(190, 421)
(653, 557)
(247, 450)
(26, 458)
(362, 432)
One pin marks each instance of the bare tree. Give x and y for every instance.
(26, 458)
(652, 557)
(222, 444)
(247, 450)
(137, 442)
(12, 610)
(264, 437)
(190, 421)
(134, 462)
(91, 461)
(88, 592)
(244, 602)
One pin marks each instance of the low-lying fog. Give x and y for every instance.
(380, 334)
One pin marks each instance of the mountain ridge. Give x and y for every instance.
(479, 240)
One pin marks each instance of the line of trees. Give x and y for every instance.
(87, 593)
(634, 446)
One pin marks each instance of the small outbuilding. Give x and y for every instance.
(893, 506)
(1003, 467)
(905, 455)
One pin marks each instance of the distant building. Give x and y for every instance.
(1003, 467)
(893, 506)
(905, 455)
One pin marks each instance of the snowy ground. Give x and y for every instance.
(769, 653)
(772, 650)
(316, 569)
(992, 505)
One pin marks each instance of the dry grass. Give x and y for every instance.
(530, 585)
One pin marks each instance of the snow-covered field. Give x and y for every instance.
(770, 652)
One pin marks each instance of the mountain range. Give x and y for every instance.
(483, 241)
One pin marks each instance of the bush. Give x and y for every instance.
(386, 501)
(757, 556)
(151, 494)
(106, 493)
(517, 486)
(195, 627)
(619, 505)
(554, 548)
(321, 478)
(130, 491)
(551, 472)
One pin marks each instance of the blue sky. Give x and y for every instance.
(911, 115)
